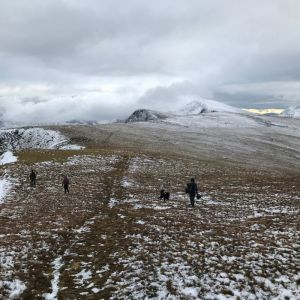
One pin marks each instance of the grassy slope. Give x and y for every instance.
(250, 216)
(274, 148)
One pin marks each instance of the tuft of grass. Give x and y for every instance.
(32, 156)
(36, 156)
(170, 287)
(226, 292)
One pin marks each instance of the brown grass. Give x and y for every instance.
(51, 218)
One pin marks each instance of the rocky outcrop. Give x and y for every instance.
(144, 115)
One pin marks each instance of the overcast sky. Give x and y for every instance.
(96, 59)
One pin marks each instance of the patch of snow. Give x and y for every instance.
(255, 227)
(103, 269)
(190, 292)
(82, 229)
(57, 264)
(83, 276)
(161, 207)
(72, 147)
(125, 183)
(15, 287)
(140, 222)
(112, 202)
(7, 158)
(5, 186)
(96, 290)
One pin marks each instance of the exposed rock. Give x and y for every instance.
(144, 115)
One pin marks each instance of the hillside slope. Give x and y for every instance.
(224, 137)
(111, 238)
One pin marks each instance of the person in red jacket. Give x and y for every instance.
(65, 184)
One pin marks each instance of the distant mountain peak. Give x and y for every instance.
(144, 115)
(192, 108)
(205, 106)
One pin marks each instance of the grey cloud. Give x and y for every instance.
(62, 109)
(147, 54)
(279, 94)
(172, 96)
(34, 100)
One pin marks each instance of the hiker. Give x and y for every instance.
(32, 177)
(66, 183)
(192, 190)
(164, 195)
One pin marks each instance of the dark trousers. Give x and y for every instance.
(66, 188)
(192, 199)
(33, 182)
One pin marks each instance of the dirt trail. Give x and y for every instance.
(41, 221)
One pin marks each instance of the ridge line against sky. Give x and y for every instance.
(100, 60)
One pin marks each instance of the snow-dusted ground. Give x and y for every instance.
(213, 120)
(57, 264)
(239, 138)
(111, 238)
(29, 138)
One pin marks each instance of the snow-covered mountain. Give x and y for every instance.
(292, 112)
(193, 108)
(143, 115)
(35, 138)
(206, 106)
(202, 114)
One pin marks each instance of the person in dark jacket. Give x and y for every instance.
(192, 190)
(164, 195)
(32, 177)
(65, 184)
